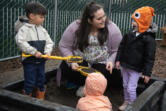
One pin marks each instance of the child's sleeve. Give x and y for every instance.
(149, 56)
(23, 45)
(49, 44)
(121, 46)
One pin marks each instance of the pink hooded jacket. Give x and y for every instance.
(94, 89)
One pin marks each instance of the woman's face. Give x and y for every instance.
(99, 19)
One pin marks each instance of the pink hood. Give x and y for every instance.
(94, 89)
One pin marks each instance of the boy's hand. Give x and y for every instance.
(109, 66)
(146, 78)
(38, 54)
(74, 66)
(117, 65)
(48, 56)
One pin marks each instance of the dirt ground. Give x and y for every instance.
(159, 68)
(68, 97)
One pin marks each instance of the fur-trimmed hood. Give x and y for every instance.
(20, 22)
(153, 28)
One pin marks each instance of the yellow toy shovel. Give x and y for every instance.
(87, 70)
(70, 59)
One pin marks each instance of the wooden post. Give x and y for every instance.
(163, 29)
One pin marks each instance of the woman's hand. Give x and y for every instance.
(109, 66)
(146, 78)
(117, 65)
(74, 66)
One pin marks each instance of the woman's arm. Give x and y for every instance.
(67, 39)
(114, 40)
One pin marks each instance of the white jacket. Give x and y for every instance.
(30, 32)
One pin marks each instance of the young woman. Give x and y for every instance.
(93, 37)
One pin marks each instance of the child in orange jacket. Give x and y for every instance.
(94, 89)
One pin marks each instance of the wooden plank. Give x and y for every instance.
(11, 101)
(163, 107)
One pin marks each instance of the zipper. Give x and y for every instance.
(37, 33)
(37, 36)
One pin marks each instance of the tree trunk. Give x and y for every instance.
(163, 29)
(164, 40)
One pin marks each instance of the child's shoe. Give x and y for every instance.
(24, 93)
(40, 94)
(123, 106)
(80, 91)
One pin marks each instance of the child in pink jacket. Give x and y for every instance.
(94, 99)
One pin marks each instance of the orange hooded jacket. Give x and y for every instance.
(94, 89)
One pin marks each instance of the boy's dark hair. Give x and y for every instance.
(35, 8)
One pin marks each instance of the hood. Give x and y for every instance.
(143, 17)
(20, 22)
(95, 84)
(153, 28)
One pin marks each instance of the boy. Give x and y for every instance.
(136, 53)
(33, 39)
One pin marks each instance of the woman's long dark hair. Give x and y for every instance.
(84, 27)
